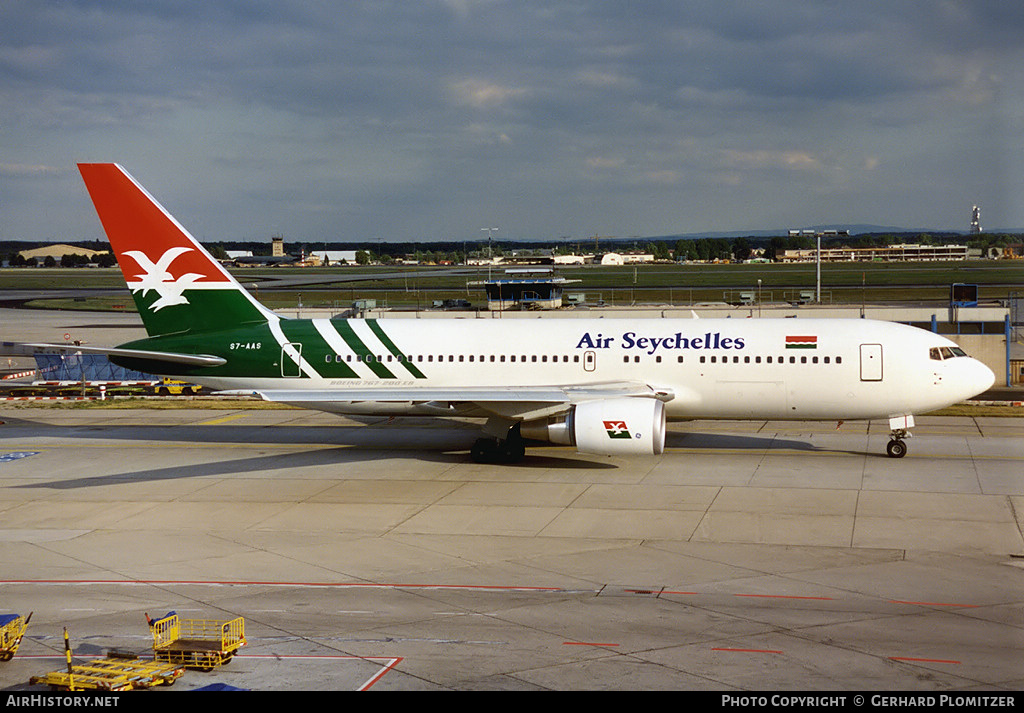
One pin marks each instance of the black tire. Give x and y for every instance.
(484, 450)
(896, 448)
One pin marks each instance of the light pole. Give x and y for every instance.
(759, 298)
(490, 255)
(818, 272)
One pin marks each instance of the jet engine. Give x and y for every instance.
(623, 426)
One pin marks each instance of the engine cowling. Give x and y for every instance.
(623, 426)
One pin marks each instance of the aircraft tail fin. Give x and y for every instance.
(177, 285)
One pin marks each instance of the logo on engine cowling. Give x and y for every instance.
(617, 429)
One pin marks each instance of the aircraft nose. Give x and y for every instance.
(980, 378)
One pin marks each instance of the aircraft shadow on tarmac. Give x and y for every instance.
(335, 446)
(299, 465)
(735, 442)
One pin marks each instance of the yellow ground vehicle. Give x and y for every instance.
(173, 387)
(12, 629)
(196, 643)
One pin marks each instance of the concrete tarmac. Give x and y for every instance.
(750, 556)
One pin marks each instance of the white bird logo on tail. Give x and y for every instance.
(157, 277)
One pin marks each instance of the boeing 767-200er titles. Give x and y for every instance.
(605, 386)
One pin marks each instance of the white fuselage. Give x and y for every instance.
(819, 369)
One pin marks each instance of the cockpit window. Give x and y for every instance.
(940, 353)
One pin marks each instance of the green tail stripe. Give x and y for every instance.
(801, 346)
(386, 341)
(353, 340)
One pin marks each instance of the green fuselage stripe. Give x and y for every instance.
(315, 350)
(357, 345)
(386, 341)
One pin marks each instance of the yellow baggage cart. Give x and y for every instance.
(203, 644)
(112, 675)
(109, 674)
(12, 629)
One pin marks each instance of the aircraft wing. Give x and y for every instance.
(514, 402)
(31, 349)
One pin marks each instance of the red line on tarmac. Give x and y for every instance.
(380, 674)
(339, 585)
(908, 658)
(751, 651)
(783, 596)
(585, 643)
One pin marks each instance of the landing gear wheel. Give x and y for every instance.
(896, 448)
(484, 450)
(512, 450)
(491, 450)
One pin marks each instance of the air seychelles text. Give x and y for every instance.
(630, 340)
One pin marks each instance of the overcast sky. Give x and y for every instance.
(432, 119)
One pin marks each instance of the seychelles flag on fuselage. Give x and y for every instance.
(802, 342)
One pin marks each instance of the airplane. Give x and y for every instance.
(604, 386)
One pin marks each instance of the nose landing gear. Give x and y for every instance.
(896, 448)
(899, 429)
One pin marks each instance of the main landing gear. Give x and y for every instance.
(510, 449)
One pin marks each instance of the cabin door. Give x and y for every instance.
(870, 362)
(291, 357)
(589, 360)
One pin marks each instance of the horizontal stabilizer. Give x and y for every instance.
(31, 349)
